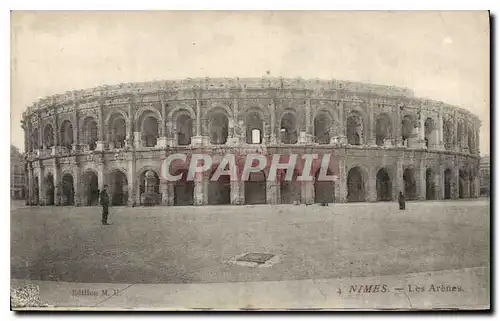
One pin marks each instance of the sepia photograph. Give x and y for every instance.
(250, 160)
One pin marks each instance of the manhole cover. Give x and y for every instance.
(255, 259)
(259, 258)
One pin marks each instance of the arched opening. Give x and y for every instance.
(118, 188)
(410, 184)
(68, 191)
(218, 127)
(324, 191)
(219, 191)
(355, 185)
(49, 189)
(90, 188)
(461, 184)
(183, 189)
(66, 134)
(48, 136)
(149, 188)
(117, 128)
(184, 129)
(149, 132)
(322, 125)
(407, 126)
(290, 191)
(255, 128)
(429, 132)
(255, 188)
(430, 190)
(384, 186)
(90, 132)
(354, 130)
(288, 129)
(382, 129)
(447, 184)
(448, 135)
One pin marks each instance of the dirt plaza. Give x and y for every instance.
(200, 244)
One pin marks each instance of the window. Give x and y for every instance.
(255, 136)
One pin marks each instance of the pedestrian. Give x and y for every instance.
(105, 205)
(401, 200)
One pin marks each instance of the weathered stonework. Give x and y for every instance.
(383, 139)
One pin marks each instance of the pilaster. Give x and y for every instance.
(421, 181)
(201, 189)
(132, 180)
(237, 192)
(372, 187)
(77, 181)
(341, 183)
(272, 192)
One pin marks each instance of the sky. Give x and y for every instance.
(439, 55)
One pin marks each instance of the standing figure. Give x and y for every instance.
(105, 205)
(401, 200)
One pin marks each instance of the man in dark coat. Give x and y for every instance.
(105, 205)
(401, 200)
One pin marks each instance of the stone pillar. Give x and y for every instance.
(272, 123)
(164, 183)
(272, 192)
(57, 182)
(29, 133)
(77, 182)
(342, 121)
(237, 192)
(307, 192)
(421, 180)
(170, 194)
(369, 138)
(441, 130)
(456, 182)
(76, 128)
(40, 132)
(477, 187)
(100, 144)
(201, 189)
(137, 140)
(341, 183)
(132, 180)
(398, 182)
(101, 173)
(308, 137)
(162, 141)
(396, 129)
(439, 183)
(25, 131)
(30, 184)
(422, 126)
(372, 186)
(41, 184)
(198, 117)
(56, 128)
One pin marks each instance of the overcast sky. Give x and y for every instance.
(443, 56)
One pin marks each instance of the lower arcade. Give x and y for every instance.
(362, 176)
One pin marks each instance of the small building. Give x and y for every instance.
(484, 175)
(17, 174)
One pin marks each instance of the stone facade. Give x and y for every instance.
(17, 174)
(383, 138)
(485, 175)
